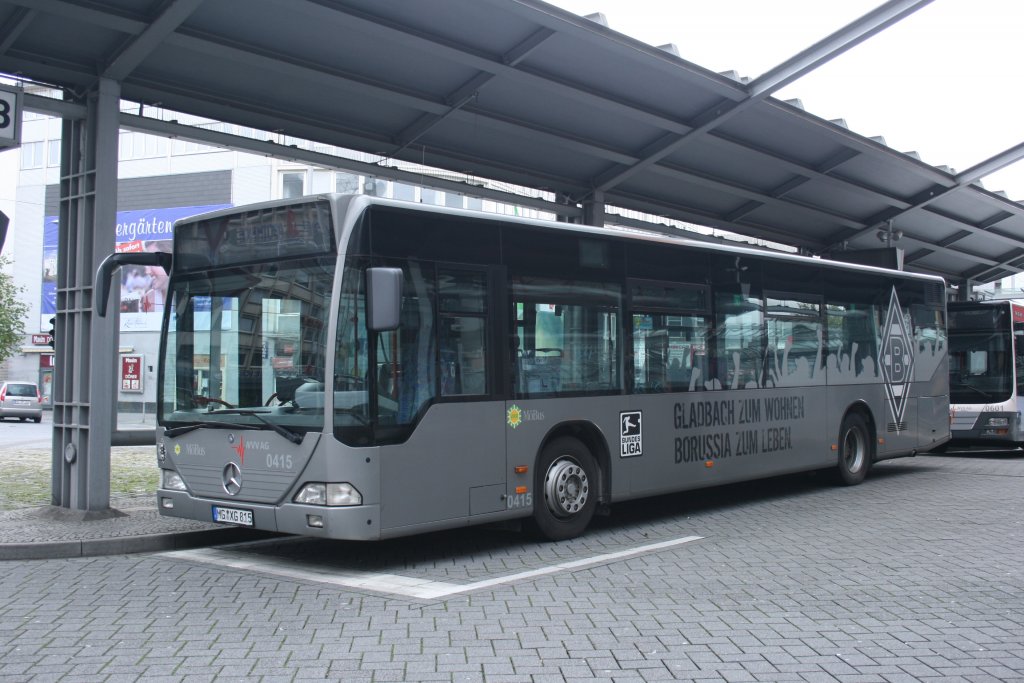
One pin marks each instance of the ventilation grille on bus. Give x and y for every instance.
(934, 294)
(894, 427)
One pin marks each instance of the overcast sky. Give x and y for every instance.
(946, 82)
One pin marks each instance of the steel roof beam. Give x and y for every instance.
(84, 13)
(830, 47)
(143, 43)
(436, 111)
(54, 107)
(19, 21)
(923, 199)
(991, 165)
(463, 95)
(271, 149)
(443, 48)
(280, 64)
(1010, 264)
(217, 47)
(760, 88)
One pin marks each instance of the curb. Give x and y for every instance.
(95, 547)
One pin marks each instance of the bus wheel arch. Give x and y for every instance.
(856, 445)
(569, 481)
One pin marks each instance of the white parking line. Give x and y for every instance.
(396, 584)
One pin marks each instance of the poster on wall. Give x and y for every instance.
(143, 288)
(131, 374)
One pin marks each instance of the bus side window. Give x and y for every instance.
(669, 352)
(740, 343)
(1018, 346)
(462, 304)
(795, 337)
(670, 335)
(569, 331)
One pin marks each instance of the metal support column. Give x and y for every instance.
(965, 290)
(593, 209)
(86, 346)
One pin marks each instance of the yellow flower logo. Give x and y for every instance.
(177, 449)
(514, 416)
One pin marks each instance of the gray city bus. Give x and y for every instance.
(358, 368)
(986, 373)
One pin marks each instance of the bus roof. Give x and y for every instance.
(360, 203)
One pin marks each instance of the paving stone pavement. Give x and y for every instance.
(916, 575)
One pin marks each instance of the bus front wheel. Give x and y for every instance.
(855, 449)
(565, 489)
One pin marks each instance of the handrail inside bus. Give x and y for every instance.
(106, 270)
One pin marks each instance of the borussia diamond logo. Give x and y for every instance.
(897, 359)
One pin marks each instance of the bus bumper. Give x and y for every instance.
(356, 523)
(986, 428)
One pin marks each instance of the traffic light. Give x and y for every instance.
(4, 222)
(53, 333)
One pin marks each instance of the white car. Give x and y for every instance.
(21, 400)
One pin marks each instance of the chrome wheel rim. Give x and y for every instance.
(854, 450)
(566, 487)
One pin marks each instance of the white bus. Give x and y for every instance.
(359, 368)
(986, 373)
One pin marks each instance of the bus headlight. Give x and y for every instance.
(998, 422)
(161, 452)
(333, 494)
(172, 481)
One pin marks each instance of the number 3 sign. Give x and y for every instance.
(10, 116)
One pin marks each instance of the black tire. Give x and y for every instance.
(856, 450)
(37, 420)
(565, 490)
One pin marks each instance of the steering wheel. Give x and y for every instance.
(206, 400)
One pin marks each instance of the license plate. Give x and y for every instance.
(22, 403)
(232, 516)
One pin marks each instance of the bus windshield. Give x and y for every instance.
(245, 346)
(980, 365)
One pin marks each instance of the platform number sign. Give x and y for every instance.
(10, 116)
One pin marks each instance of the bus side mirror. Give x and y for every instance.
(383, 298)
(105, 273)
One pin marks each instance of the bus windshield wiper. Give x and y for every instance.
(283, 431)
(178, 431)
(985, 394)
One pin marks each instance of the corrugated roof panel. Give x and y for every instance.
(522, 92)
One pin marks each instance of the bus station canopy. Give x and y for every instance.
(521, 92)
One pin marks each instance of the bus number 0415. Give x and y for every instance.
(277, 461)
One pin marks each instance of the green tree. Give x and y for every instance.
(12, 313)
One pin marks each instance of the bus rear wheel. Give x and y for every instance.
(565, 488)
(856, 450)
